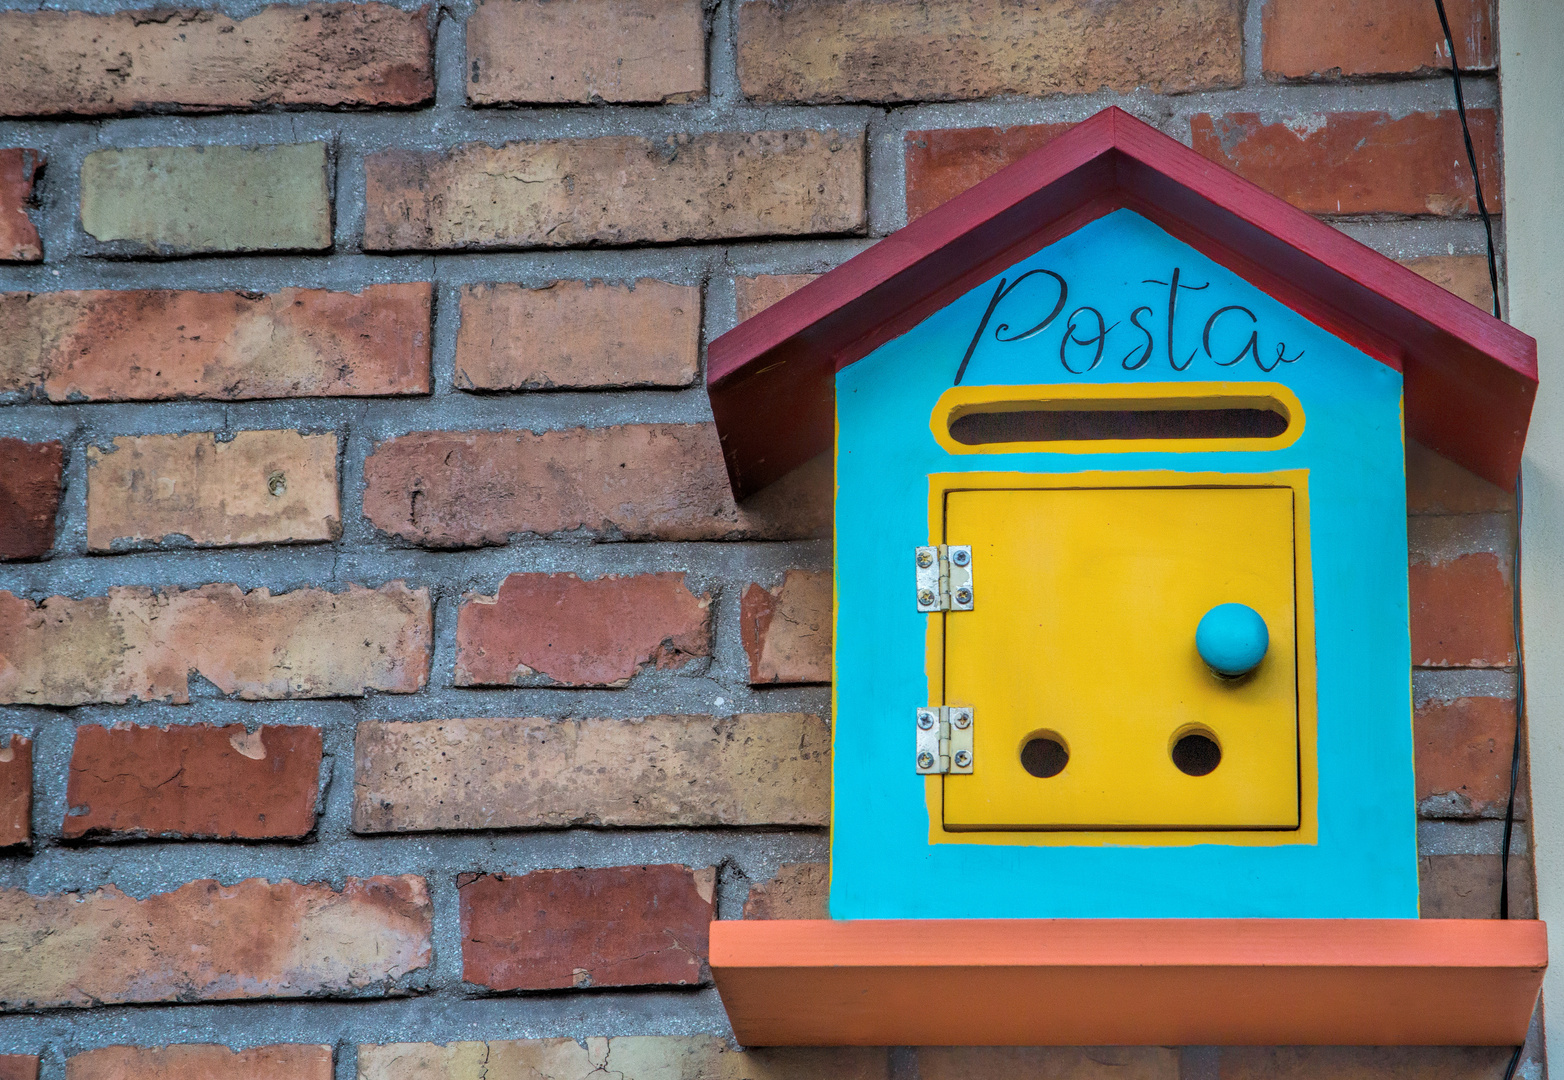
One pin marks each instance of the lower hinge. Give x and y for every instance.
(945, 740)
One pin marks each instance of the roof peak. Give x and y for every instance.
(1469, 378)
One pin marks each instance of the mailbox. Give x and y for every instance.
(1121, 609)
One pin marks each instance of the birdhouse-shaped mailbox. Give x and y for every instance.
(1122, 705)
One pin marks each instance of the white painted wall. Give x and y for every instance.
(1531, 72)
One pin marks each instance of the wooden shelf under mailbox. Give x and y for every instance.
(1169, 982)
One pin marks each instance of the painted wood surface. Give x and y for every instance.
(1129, 982)
(1470, 379)
(1353, 853)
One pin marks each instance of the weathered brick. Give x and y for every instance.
(30, 475)
(941, 164)
(18, 1067)
(956, 50)
(619, 189)
(134, 644)
(191, 200)
(210, 942)
(194, 781)
(1314, 40)
(1053, 1062)
(577, 334)
(1362, 1062)
(555, 629)
(798, 891)
(756, 294)
(1467, 886)
(75, 63)
(763, 769)
(787, 630)
(259, 487)
(614, 926)
(581, 51)
(469, 488)
(153, 344)
(1462, 612)
(1437, 485)
(634, 1057)
(1464, 275)
(198, 1061)
(1359, 162)
(19, 170)
(16, 793)
(1462, 751)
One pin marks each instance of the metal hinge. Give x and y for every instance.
(945, 578)
(945, 740)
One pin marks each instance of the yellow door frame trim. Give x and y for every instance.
(1307, 832)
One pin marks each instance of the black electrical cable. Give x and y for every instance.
(1471, 155)
(1520, 503)
(1520, 712)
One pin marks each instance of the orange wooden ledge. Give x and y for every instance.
(1167, 982)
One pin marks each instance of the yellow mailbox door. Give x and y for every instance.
(1092, 707)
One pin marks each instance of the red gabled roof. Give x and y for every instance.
(1469, 378)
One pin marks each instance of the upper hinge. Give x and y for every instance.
(945, 739)
(944, 577)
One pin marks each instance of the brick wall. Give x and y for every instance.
(389, 684)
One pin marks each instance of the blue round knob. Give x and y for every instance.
(1232, 639)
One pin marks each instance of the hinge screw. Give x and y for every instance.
(925, 597)
(963, 758)
(960, 558)
(925, 760)
(925, 560)
(926, 721)
(962, 721)
(963, 596)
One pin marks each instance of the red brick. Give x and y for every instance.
(1437, 485)
(16, 795)
(787, 630)
(958, 50)
(543, 629)
(133, 644)
(193, 781)
(942, 164)
(556, 929)
(1361, 1062)
(798, 891)
(578, 334)
(197, 1061)
(756, 294)
(19, 170)
(469, 488)
(61, 63)
(30, 475)
(18, 1067)
(255, 487)
(1462, 749)
(1467, 886)
(1359, 162)
(618, 189)
(639, 1057)
(1462, 613)
(210, 942)
(155, 344)
(1464, 275)
(585, 51)
(1052, 1062)
(647, 772)
(1331, 39)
